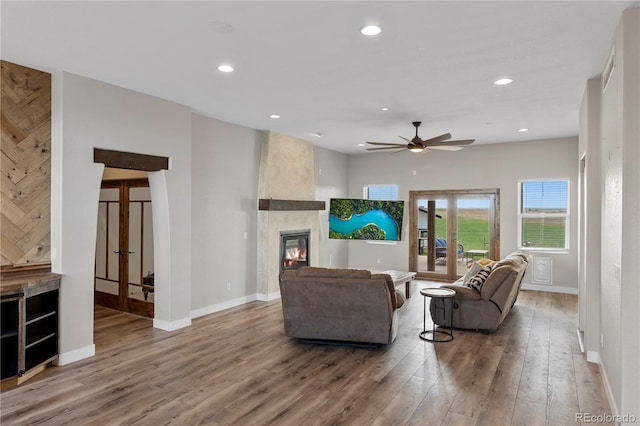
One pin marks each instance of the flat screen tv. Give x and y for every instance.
(353, 219)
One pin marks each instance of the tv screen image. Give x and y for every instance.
(354, 219)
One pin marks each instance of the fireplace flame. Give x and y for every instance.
(296, 254)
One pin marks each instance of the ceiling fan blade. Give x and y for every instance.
(403, 138)
(447, 148)
(401, 147)
(449, 143)
(387, 144)
(443, 137)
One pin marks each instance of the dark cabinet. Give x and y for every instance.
(29, 314)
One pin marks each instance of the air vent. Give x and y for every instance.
(542, 267)
(608, 70)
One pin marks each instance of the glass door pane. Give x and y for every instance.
(432, 236)
(140, 245)
(107, 274)
(473, 216)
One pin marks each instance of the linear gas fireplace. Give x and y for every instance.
(294, 249)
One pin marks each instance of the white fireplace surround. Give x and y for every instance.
(286, 173)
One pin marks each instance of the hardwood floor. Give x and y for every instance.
(238, 367)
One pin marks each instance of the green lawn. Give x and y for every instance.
(472, 233)
(548, 233)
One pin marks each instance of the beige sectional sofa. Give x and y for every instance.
(348, 305)
(487, 308)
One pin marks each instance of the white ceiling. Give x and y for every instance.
(307, 61)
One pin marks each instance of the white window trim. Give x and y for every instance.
(566, 215)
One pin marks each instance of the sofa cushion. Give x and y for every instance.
(312, 271)
(512, 261)
(477, 281)
(501, 275)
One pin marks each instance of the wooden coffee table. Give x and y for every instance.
(399, 278)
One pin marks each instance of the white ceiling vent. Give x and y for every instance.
(608, 69)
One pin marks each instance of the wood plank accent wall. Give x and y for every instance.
(25, 166)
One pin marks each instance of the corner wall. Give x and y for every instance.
(225, 164)
(331, 182)
(88, 114)
(619, 145)
(589, 296)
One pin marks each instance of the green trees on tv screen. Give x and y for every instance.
(343, 208)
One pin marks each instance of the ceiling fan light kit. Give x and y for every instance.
(418, 145)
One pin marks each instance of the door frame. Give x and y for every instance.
(451, 196)
(122, 301)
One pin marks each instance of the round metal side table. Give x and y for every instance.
(444, 294)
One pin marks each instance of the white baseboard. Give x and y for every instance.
(171, 325)
(549, 288)
(608, 391)
(222, 306)
(593, 357)
(76, 355)
(268, 297)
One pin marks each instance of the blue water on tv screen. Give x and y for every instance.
(354, 219)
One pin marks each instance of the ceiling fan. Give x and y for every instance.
(419, 145)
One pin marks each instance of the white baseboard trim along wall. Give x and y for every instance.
(549, 288)
(268, 297)
(76, 355)
(200, 312)
(171, 325)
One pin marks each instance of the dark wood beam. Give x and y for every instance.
(129, 160)
(289, 205)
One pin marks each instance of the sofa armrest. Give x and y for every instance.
(463, 292)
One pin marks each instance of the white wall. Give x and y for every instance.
(331, 182)
(225, 166)
(475, 167)
(589, 140)
(620, 256)
(92, 114)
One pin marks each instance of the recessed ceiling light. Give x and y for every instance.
(225, 68)
(384, 109)
(524, 129)
(360, 144)
(502, 81)
(371, 30)
(318, 134)
(274, 116)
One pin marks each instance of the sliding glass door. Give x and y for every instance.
(449, 229)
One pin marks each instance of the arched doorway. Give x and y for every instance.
(124, 261)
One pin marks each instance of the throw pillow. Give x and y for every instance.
(477, 281)
(474, 268)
